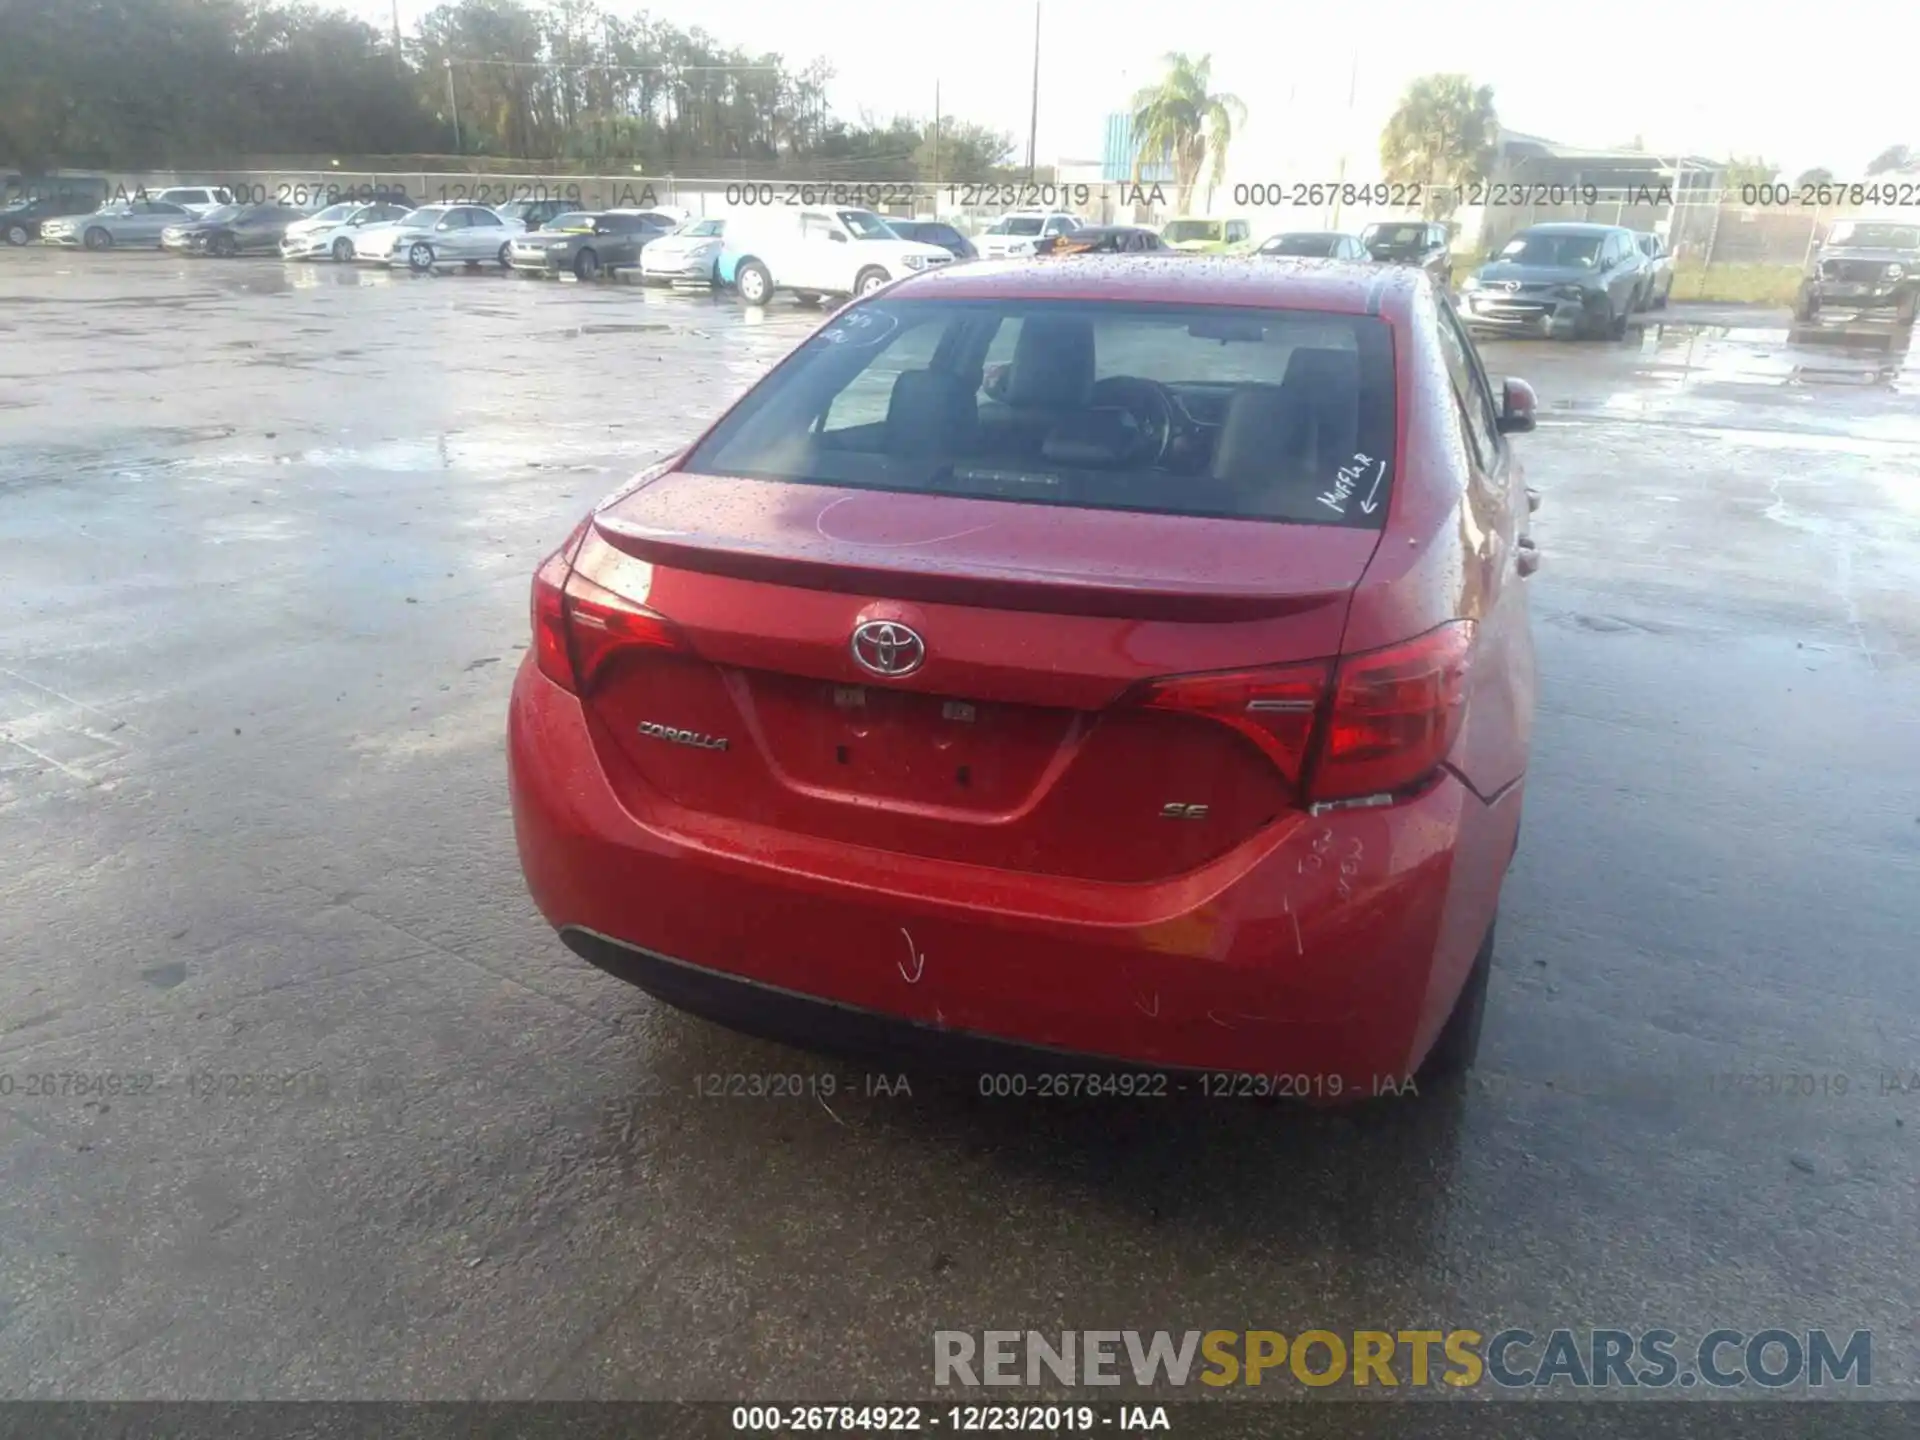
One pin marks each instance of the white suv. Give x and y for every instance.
(819, 252)
(1019, 231)
(196, 199)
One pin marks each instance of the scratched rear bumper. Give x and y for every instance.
(1324, 946)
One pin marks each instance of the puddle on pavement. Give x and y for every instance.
(1688, 355)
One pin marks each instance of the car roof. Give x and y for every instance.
(1311, 235)
(1571, 227)
(1343, 287)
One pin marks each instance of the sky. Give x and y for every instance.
(1702, 77)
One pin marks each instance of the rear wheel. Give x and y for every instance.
(17, 235)
(1617, 324)
(1458, 1045)
(97, 239)
(586, 266)
(1805, 307)
(1904, 312)
(505, 255)
(342, 250)
(1665, 295)
(753, 282)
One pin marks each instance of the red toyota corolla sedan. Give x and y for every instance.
(1122, 661)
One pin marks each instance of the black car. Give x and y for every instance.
(935, 232)
(1412, 242)
(250, 228)
(1102, 240)
(1568, 278)
(20, 220)
(589, 243)
(1315, 245)
(1864, 266)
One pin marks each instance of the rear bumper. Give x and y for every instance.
(1329, 946)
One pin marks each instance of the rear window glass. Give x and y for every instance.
(1309, 246)
(1182, 410)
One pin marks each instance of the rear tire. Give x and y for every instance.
(17, 235)
(504, 256)
(1617, 326)
(97, 239)
(1805, 307)
(1458, 1045)
(1909, 306)
(753, 282)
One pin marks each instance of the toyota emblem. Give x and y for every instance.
(885, 647)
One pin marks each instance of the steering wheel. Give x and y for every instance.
(1149, 403)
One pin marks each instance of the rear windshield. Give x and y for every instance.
(1181, 232)
(1253, 414)
(1016, 225)
(1397, 235)
(1875, 235)
(1320, 246)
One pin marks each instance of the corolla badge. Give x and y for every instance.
(886, 647)
(653, 729)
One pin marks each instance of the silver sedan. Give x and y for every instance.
(124, 222)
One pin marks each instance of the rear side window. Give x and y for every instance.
(1182, 410)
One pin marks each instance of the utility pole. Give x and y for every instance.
(936, 149)
(1033, 124)
(453, 101)
(1353, 89)
(397, 52)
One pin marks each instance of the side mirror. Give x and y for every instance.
(1517, 404)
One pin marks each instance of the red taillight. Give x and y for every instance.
(1395, 715)
(1274, 708)
(550, 610)
(579, 624)
(1385, 719)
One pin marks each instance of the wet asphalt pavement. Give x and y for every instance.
(266, 535)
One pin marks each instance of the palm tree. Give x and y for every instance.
(1181, 121)
(1894, 157)
(1441, 137)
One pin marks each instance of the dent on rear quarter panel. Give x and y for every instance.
(1419, 576)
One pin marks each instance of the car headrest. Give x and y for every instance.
(1052, 365)
(930, 413)
(1293, 437)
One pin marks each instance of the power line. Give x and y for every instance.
(620, 69)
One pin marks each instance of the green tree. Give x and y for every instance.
(1441, 136)
(1894, 157)
(1181, 121)
(1747, 170)
(967, 151)
(1818, 175)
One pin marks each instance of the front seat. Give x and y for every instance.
(930, 413)
(1051, 375)
(1282, 446)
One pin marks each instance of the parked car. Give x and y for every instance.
(535, 214)
(1563, 278)
(817, 252)
(124, 222)
(1864, 265)
(179, 237)
(1019, 232)
(199, 199)
(1315, 245)
(1658, 286)
(1424, 243)
(249, 230)
(331, 233)
(689, 255)
(436, 235)
(589, 244)
(1192, 673)
(1101, 240)
(20, 220)
(936, 232)
(1194, 235)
